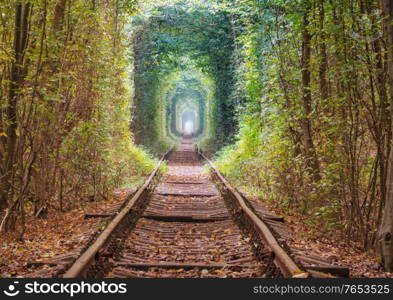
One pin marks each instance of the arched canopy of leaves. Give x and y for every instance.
(178, 48)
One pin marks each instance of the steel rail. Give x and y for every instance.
(80, 266)
(281, 259)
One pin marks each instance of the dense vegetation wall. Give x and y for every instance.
(65, 103)
(315, 130)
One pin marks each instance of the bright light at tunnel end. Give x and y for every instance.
(189, 127)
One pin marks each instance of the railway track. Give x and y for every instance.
(187, 223)
(186, 230)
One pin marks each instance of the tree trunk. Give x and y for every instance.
(386, 230)
(323, 67)
(16, 81)
(308, 144)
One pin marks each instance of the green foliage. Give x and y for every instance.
(178, 41)
(74, 105)
(89, 70)
(268, 157)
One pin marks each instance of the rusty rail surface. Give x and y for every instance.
(91, 258)
(79, 267)
(281, 259)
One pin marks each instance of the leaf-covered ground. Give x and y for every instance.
(59, 233)
(330, 245)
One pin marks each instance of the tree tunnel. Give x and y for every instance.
(182, 76)
(189, 104)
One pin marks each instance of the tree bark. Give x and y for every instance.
(58, 17)
(386, 230)
(308, 144)
(16, 81)
(323, 67)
